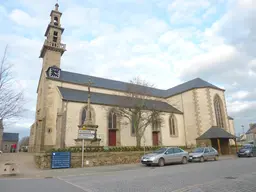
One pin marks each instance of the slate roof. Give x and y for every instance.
(113, 100)
(76, 78)
(10, 136)
(216, 132)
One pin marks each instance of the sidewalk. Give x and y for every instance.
(37, 173)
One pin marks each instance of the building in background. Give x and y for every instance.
(241, 140)
(7, 140)
(189, 109)
(251, 133)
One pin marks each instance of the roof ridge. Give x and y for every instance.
(118, 81)
(106, 83)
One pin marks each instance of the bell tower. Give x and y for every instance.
(51, 52)
(53, 49)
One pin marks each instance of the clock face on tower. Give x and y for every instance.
(54, 72)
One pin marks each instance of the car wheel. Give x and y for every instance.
(216, 158)
(202, 159)
(184, 160)
(251, 154)
(161, 162)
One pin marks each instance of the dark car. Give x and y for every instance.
(247, 150)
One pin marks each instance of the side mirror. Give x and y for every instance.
(165, 153)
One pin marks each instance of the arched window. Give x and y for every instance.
(173, 126)
(56, 21)
(112, 120)
(84, 113)
(219, 112)
(156, 125)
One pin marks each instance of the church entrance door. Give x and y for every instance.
(111, 137)
(155, 138)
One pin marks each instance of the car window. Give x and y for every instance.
(159, 151)
(169, 151)
(177, 150)
(206, 150)
(198, 150)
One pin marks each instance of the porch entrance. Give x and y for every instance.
(218, 138)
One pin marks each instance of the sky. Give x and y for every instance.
(165, 42)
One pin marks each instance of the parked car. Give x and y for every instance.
(247, 150)
(203, 154)
(165, 155)
(1, 152)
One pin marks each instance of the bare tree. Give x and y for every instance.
(139, 108)
(11, 99)
(24, 141)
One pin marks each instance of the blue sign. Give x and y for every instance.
(61, 160)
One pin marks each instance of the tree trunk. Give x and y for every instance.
(138, 141)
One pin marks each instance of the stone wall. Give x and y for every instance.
(43, 160)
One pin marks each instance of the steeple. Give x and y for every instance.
(53, 34)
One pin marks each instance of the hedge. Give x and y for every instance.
(107, 149)
(115, 149)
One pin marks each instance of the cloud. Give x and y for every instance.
(22, 18)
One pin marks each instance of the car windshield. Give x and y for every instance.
(198, 150)
(246, 147)
(161, 150)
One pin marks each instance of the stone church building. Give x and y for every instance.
(189, 109)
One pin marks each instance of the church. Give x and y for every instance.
(189, 110)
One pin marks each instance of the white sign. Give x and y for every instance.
(86, 134)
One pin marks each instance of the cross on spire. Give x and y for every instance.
(57, 6)
(89, 87)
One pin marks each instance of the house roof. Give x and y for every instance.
(10, 136)
(252, 128)
(113, 100)
(215, 133)
(98, 82)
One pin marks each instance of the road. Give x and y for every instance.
(226, 175)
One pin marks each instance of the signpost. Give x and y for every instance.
(85, 134)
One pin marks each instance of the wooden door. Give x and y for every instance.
(155, 138)
(111, 137)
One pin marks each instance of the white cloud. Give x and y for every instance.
(240, 95)
(24, 19)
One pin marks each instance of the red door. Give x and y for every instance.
(112, 138)
(155, 138)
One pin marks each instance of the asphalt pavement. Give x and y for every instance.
(224, 175)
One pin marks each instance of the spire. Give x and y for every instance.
(57, 6)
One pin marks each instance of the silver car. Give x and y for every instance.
(203, 154)
(165, 156)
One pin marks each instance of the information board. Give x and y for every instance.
(61, 160)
